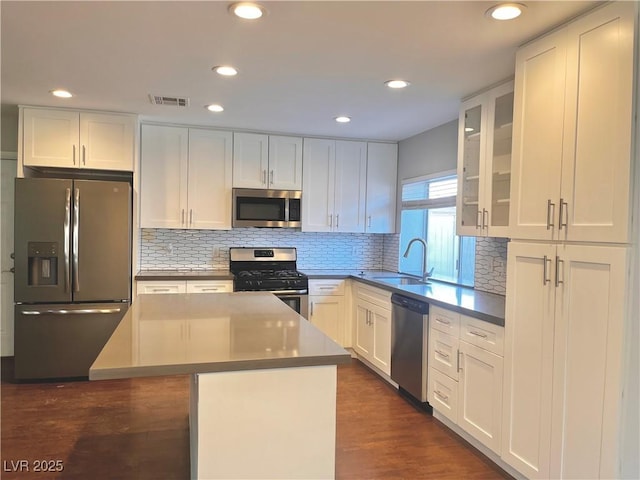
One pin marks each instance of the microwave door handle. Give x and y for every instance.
(76, 227)
(67, 239)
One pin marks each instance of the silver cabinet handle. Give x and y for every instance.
(563, 204)
(67, 239)
(458, 368)
(442, 396)
(477, 334)
(337, 220)
(209, 289)
(182, 218)
(550, 224)
(442, 354)
(84, 154)
(545, 271)
(485, 218)
(264, 177)
(191, 216)
(76, 240)
(443, 322)
(479, 219)
(558, 262)
(369, 225)
(312, 309)
(62, 311)
(331, 220)
(271, 176)
(160, 289)
(74, 154)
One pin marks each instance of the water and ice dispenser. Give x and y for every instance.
(43, 263)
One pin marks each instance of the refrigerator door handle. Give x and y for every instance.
(62, 311)
(67, 223)
(76, 228)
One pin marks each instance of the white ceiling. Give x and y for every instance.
(300, 66)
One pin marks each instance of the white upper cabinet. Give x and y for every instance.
(72, 139)
(185, 178)
(334, 186)
(484, 163)
(572, 131)
(267, 161)
(382, 173)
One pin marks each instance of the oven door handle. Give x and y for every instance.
(289, 292)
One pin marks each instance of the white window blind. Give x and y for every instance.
(430, 193)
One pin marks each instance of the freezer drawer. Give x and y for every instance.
(60, 341)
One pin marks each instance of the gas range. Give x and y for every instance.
(266, 269)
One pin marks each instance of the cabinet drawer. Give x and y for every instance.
(374, 295)
(445, 321)
(209, 286)
(443, 353)
(442, 394)
(482, 334)
(154, 287)
(326, 287)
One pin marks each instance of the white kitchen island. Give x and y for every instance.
(263, 380)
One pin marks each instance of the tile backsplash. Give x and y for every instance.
(169, 249)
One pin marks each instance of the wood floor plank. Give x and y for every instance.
(138, 429)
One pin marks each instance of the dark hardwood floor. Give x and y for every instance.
(138, 429)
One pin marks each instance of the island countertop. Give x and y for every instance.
(218, 332)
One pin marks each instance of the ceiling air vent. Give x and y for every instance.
(170, 101)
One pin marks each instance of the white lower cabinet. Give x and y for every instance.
(327, 308)
(465, 373)
(183, 286)
(563, 359)
(372, 335)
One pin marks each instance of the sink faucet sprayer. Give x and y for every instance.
(425, 274)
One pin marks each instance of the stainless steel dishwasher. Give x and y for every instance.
(409, 344)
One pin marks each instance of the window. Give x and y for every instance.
(429, 212)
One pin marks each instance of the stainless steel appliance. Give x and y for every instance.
(266, 208)
(271, 270)
(409, 345)
(72, 272)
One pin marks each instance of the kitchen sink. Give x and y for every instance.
(401, 280)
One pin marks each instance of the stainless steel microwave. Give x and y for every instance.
(254, 207)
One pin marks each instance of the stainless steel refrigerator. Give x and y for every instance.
(72, 272)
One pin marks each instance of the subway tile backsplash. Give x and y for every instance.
(170, 249)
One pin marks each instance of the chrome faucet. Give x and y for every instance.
(425, 273)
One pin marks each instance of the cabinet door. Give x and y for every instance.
(327, 313)
(350, 186)
(160, 286)
(318, 185)
(381, 338)
(250, 160)
(209, 286)
(285, 163)
(50, 138)
(590, 304)
(537, 137)
(471, 160)
(480, 394)
(382, 172)
(498, 165)
(210, 179)
(107, 141)
(528, 358)
(163, 177)
(598, 126)
(364, 330)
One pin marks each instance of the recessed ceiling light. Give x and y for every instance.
(215, 108)
(396, 83)
(225, 70)
(343, 119)
(61, 93)
(247, 10)
(506, 11)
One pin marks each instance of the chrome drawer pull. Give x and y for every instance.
(478, 334)
(441, 395)
(443, 322)
(442, 354)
